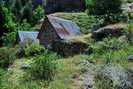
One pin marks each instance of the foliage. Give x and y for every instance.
(112, 51)
(7, 56)
(9, 38)
(112, 77)
(108, 11)
(103, 7)
(17, 15)
(129, 32)
(2, 73)
(38, 14)
(115, 18)
(44, 67)
(110, 45)
(34, 49)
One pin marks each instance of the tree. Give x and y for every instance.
(102, 7)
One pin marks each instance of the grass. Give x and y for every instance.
(67, 68)
(70, 67)
(17, 78)
(105, 52)
(82, 38)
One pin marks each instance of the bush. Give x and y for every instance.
(44, 67)
(110, 45)
(117, 18)
(2, 73)
(9, 39)
(38, 14)
(7, 56)
(129, 32)
(34, 49)
(112, 77)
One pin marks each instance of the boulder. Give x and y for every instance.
(114, 77)
(130, 58)
(25, 67)
(123, 38)
(110, 30)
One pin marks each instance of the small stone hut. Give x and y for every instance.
(27, 35)
(54, 28)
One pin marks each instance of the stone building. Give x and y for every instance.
(27, 36)
(54, 28)
(54, 34)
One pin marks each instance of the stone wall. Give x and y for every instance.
(72, 48)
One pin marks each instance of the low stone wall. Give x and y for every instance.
(64, 48)
(114, 30)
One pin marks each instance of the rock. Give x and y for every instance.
(110, 30)
(123, 37)
(131, 6)
(115, 76)
(130, 69)
(25, 67)
(130, 58)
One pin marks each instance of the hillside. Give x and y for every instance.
(68, 49)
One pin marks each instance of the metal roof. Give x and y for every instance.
(64, 28)
(28, 34)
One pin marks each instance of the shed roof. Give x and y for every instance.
(64, 28)
(28, 34)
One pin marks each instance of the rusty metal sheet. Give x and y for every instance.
(64, 28)
(28, 34)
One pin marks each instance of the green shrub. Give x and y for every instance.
(38, 14)
(44, 67)
(7, 56)
(110, 45)
(129, 32)
(2, 73)
(9, 39)
(118, 56)
(34, 49)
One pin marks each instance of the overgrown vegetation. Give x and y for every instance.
(7, 56)
(17, 15)
(109, 11)
(103, 7)
(43, 67)
(34, 49)
(29, 65)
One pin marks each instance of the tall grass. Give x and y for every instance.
(7, 56)
(44, 67)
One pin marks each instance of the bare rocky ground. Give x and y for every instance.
(85, 80)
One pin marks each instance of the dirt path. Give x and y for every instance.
(86, 79)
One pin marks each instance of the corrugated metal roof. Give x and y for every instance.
(28, 34)
(64, 28)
